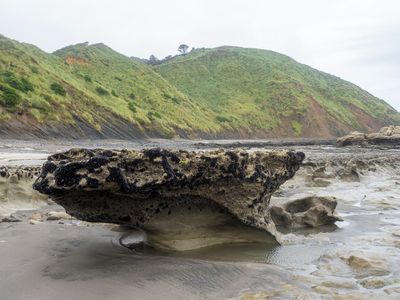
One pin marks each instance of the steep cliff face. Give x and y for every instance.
(187, 195)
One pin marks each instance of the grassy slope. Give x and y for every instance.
(260, 89)
(132, 91)
(209, 91)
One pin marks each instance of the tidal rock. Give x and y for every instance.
(373, 283)
(57, 215)
(393, 289)
(389, 135)
(36, 216)
(132, 240)
(174, 195)
(306, 212)
(10, 219)
(16, 188)
(366, 265)
(34, 222)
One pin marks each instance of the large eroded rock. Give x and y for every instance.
(389, 135)
(311, 211)
(175, 196)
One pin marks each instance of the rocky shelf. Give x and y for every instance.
(387, 136)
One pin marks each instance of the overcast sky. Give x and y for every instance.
(357, 40)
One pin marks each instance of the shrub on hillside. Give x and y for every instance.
(21, 84)
(297, 127)
(152, 115)
(26, 85)
(12, 80)
(102, 91)
(132, 107)
(9, 97)
(222, 119)
(132, 96)
(175, 100)
(172, 98)
(166, 95)
(47, 98)
(87, 78)
(58, 89)
(114, 93)
(34, 70)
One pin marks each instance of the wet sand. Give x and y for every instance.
(55, 261)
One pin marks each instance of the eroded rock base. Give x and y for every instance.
(178, 224)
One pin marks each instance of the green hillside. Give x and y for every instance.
(84, 86)
(263, 91)
(93, 91)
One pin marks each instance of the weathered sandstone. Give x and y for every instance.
(173, 195)
(306, 212)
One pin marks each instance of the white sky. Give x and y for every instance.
(357, 40)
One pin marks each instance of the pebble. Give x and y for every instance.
(339, 284)
(373, 283)
(395, 289)
(36, 216)
(321, 289)
(34, 222)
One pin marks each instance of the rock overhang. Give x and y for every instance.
(148, 188)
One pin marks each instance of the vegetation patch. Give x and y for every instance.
(132, 107)
(87, 78)
(9, 97)
(222, 119)
(58, 89)
(297, 127)
(19, 83)
(102, 91)
(153, 115)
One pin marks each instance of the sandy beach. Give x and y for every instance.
(357, 258)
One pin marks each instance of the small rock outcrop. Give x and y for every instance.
(389, 135)
(169, 192)
(306, 212)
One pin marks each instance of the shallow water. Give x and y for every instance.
(319, 262)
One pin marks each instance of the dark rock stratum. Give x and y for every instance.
(174, 195)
